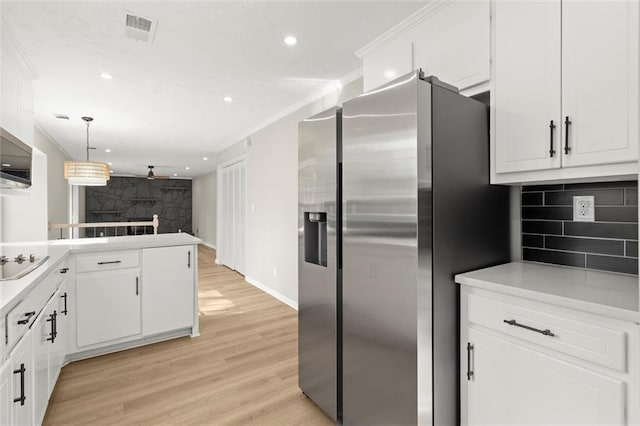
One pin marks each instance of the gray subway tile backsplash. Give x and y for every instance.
(550, 235)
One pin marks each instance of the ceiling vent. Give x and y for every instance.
(139, 28)
(62, 116)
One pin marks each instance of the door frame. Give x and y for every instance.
(219, 203)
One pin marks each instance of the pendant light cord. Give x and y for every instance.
(88, 122)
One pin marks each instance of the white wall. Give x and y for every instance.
(205, 208)
(272, 196)
(24, 213)
(57, 185)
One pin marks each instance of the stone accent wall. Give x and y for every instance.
(138, 199)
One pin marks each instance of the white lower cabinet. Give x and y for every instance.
(48, 340)
(525, 362)
(6, 399)
(515, 385)
(22, 383)
(168, 294)
(108, 306)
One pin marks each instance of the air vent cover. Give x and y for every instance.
(139, 28)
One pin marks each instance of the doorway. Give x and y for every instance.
(232, 215)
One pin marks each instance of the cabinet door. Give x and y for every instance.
(6, 399)
(387, 63)
(108, 306)
(57, 348)
(600, 81)
(42, 333)
(514, 385)
(454, 44)
(168, 301)
(21, 383)
(526, 85)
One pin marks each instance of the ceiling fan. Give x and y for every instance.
(152, 175)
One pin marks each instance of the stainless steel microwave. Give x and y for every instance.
(15, 161)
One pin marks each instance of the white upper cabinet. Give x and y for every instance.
(454, 44)
(573, 63)
(600, 81)
(527, 85)
(450, 40)
(16, 102)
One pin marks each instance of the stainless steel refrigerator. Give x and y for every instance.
(378, 315)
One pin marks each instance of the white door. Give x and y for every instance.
(108, 306)
(600, 81)
(232, 246)
(6, 400)
(527, 85)
(514, 385)
(167, 289)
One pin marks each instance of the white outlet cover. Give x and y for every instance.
(584, 208)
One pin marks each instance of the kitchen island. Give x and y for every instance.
(89, 297)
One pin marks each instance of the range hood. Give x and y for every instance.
(15, 162)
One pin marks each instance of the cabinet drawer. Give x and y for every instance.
(107, 261)
(591, 342)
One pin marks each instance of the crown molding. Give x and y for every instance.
(432, 7)
(21, 56)
(346, 79)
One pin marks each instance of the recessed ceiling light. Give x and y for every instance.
(205, 158)
(6, 165)
(106, 76)
(290, 40)
(228, 99)
(187, 168)
(107, 150)
(175, 174)
(111, 164)
(110, 171)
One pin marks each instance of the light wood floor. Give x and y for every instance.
(241, 370)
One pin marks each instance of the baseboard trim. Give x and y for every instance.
(281, 297)
(204, 243)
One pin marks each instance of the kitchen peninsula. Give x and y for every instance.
(89, 297)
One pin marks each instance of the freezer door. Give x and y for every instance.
(317, 259)
(380, 262)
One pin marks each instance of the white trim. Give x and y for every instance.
(346, 79)
(281, 297)
(432, 7)
(204, 243)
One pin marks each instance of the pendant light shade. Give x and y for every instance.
(86, 173)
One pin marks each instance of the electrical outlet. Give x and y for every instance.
(584, 208)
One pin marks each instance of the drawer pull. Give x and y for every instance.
(64, 311)
(469, 370)
(110, 262)
(28, 316)
(546, 332)
(21, 372)
(64, 270)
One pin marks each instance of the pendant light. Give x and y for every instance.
(86, 173)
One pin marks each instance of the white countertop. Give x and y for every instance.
(13, 291)
(604, 293)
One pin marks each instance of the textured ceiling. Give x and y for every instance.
(165, 103)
